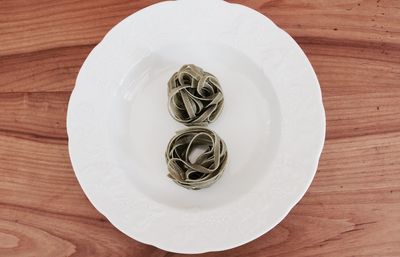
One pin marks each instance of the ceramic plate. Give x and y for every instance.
(273, 123)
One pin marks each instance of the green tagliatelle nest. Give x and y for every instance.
(196, 157)
(195, 96)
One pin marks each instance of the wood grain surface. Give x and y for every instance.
(351, 209)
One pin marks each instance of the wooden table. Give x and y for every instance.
(353, 205)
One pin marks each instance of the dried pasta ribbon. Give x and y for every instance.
(196, 171)
(194, 96)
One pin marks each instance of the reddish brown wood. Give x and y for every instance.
(351, 209)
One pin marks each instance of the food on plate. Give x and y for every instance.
(196, 157)
(194, 96)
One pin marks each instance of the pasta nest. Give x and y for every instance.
(196, 157)
(195, 96)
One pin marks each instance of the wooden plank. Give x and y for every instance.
(349, 209)
(42, 71)
(31, 233)
(353, 205)
(376, 96)
(40, 116)
(351, 22)
(358, 99)
(68, 23)
(38, 175)
(26, 28)
(54, 67)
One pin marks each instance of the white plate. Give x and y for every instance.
(273, 123)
